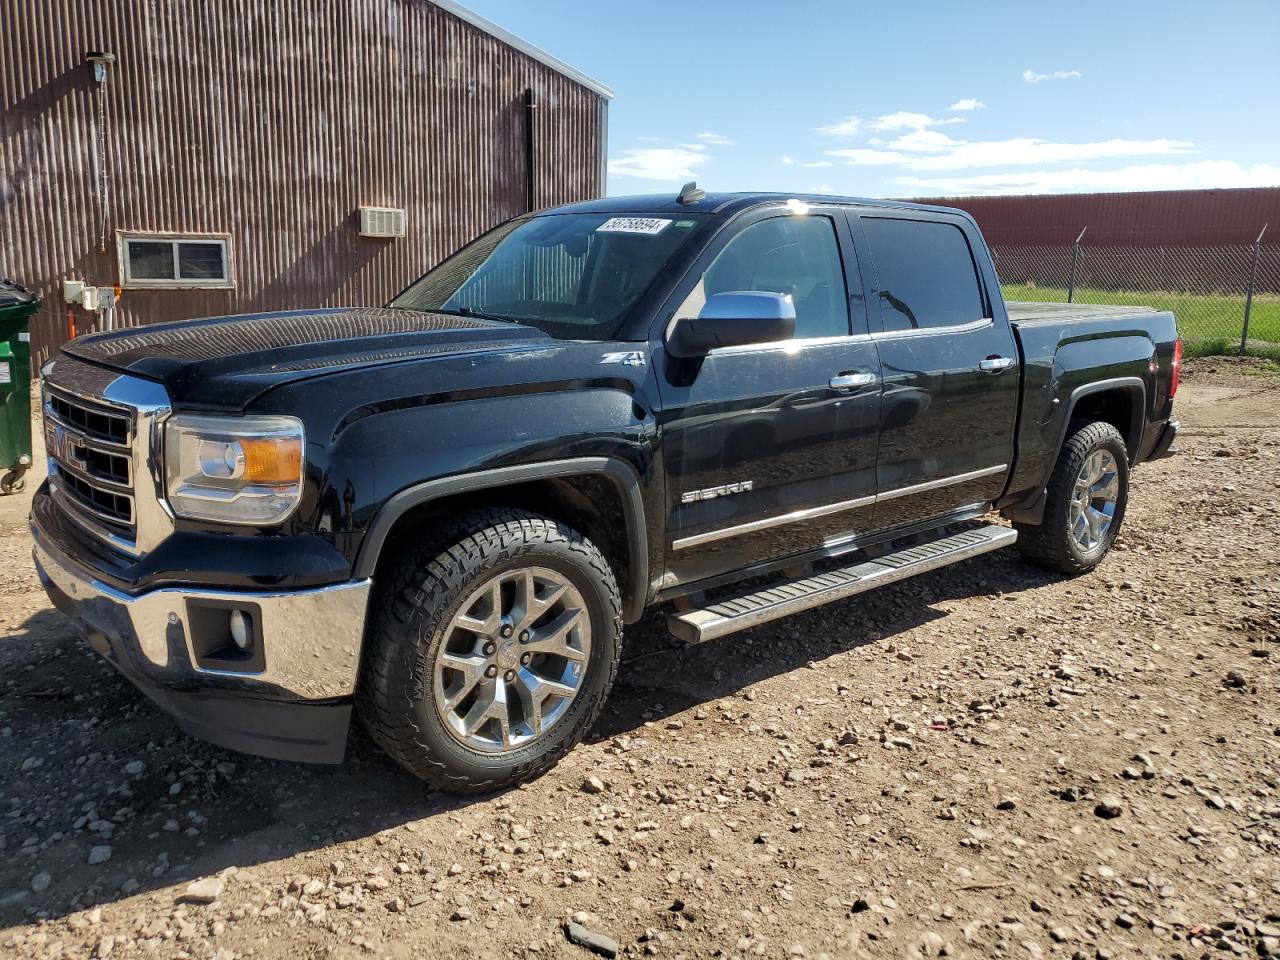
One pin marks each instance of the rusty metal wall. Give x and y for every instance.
(1149, 219)
(270, 121)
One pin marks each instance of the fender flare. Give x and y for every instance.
(622, 475)
(1135, 385)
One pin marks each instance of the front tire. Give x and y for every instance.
(1084, 503)
(493, 649)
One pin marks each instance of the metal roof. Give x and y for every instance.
(524, 46)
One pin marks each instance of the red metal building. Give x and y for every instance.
(217, 158)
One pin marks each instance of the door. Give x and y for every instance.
(949, 367)
(770, 448)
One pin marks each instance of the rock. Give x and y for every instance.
(593, 784)
(462, 913)
(40, 882)
(104, 948)
(134, 768)
(595, 942)
(1070, 794)
(1235, 680)
(206, 890)
(1007, 803)
(99, 854)
(1109, 807)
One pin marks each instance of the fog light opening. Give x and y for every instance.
(241, 629)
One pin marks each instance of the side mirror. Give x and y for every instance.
(734, 319)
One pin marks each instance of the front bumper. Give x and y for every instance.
(292, 702)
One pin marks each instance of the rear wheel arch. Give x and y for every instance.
(1121, 402)
(585, 492)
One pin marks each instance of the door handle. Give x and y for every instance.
(995, 364)
(847, 381)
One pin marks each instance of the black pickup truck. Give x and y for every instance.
(443, 511)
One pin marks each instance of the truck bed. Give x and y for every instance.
(1028, 311)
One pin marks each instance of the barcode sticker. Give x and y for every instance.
(24, 337)
(5, 375)
(650, 226)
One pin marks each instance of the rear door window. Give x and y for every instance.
(925, 273)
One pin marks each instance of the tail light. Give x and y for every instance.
(1177, 367)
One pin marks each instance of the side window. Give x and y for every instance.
(925, 273)
(794, 255)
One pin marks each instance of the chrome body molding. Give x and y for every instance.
(767, 522)
(942, 482)
(811, 513)
(970, 327)
(312, 637)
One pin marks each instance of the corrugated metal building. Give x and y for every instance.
(214, 160)
(1170, 218)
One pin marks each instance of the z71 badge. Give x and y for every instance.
(710, 493)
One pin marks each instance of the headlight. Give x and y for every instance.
(233, 469)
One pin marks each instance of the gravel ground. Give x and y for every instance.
(986, 760)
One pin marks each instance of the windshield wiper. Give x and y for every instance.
(469, 312)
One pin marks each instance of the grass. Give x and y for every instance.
(1209, 324)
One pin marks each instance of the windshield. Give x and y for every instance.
(576, 276)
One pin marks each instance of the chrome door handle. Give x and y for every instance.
(846, 381)
(995, 364)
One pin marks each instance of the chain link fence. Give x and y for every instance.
(1226, 298)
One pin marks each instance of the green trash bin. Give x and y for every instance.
(17, 304)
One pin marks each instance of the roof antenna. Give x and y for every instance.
(690, 193)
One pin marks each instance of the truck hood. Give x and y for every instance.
(226, 362)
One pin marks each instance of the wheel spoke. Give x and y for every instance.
(554, 637)
(472, 670)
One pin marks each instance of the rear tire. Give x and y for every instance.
(491, 651)
(1084, 503)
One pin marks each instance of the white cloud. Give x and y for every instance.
(906, 120)
(823, 188)
(787, 161)
(901, 120)
(968, 103)
(659, 163)
(716, 139)
(1201, 174)
(1032, 77)
(817, 163)
(934, 150)
(848, 127)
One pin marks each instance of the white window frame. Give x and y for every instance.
(128, 282)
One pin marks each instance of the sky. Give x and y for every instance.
(920, 99)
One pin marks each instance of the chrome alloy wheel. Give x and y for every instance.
(1093, 501)
(513, 659)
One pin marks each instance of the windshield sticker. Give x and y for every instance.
(650, 226)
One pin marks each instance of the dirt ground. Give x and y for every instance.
(984, 761)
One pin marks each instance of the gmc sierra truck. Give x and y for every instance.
(442, 512)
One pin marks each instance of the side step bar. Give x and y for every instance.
(740, 613)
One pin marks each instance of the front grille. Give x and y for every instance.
(91, 471)
(111, 426)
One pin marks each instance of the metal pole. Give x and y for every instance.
(1248, 299)
(1075, 259)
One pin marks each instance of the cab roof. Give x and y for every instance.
(723, 203)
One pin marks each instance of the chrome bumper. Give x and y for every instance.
(311, 638)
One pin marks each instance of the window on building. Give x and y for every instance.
(924, 273)
(156, 260)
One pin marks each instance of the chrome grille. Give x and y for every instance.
(101, 434)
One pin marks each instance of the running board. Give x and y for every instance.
(741, 613)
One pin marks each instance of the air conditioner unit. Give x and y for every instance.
(382, 221)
